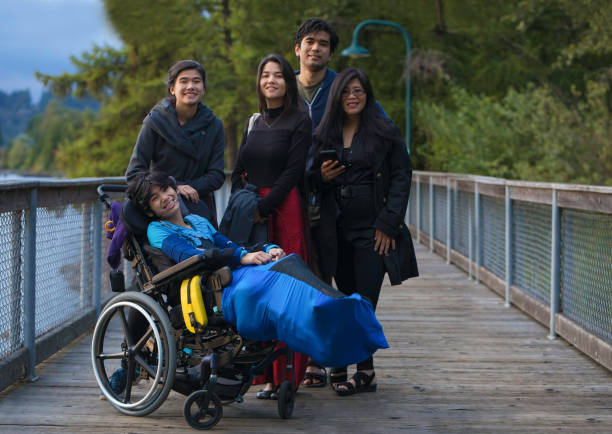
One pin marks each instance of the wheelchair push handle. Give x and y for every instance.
(104, 189)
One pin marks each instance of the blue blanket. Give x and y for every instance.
(285, 301)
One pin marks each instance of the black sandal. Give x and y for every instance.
(337, 376)
(268, 394)
(363, 383)
(317, 379)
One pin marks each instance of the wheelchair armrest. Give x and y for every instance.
(217, 280)
(186, 267)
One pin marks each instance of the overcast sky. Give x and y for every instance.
(43, 34)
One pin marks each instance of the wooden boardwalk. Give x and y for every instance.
(459, 362)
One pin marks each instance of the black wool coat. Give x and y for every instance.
(392, 179)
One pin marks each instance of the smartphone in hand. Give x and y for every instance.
(328, 154)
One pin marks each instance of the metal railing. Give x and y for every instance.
(52, 272)
(546, 248)
(553, 241)
(50, 269)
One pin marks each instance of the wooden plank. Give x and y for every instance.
(597, 348)
(11, 200)
(53, 197)
(467, 186)
(530, 305)
(585, 200)
(459, 361)
(529, 194)
(494, 190)
(441, 181)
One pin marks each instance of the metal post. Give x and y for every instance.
(97, 256)
(85, 255)
(432, 229)
(29, 285)
(477, 230)
(407, 219)
(456, 205)
(470, 211)
(418, 210)
(448, 221)
(15, 283)
(555, 260)
(509, 258)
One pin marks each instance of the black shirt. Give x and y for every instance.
(274, 155)
(355, 188)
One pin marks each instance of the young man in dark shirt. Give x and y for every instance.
(315, 43)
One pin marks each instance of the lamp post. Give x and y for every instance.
(356, 50)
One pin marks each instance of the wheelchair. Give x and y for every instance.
(170, 334)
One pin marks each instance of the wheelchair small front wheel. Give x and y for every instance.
(203, 410)
(134, 353)
(286, 399)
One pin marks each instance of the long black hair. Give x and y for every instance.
(371, 119)
(291, 95)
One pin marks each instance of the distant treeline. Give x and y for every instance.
(31, 133)
(517, 89)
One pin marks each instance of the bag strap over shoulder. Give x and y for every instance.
(252, 120)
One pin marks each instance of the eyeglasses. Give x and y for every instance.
(356, 92)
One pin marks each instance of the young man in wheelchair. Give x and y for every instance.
(182, 237)
(271, 296)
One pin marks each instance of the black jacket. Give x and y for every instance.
(192, 153)
(392, 180)
(237, 223)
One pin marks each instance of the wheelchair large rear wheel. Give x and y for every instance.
(134, 366)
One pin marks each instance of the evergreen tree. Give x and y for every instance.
(493, 83)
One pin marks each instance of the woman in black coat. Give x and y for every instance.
(182, 137)
(364, 189)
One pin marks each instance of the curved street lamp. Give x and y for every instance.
(356, 50)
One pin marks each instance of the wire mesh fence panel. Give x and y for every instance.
(440, 217)
(531, 226)
(11, 282)
(586, 270)
(463, 204)
(412, 205)
(425, 207)
(63, 264)
(493, 221)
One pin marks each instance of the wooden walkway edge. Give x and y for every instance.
(459, 362)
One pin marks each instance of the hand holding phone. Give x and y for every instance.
(328, 154)
(330, 164)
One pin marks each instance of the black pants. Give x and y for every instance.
(360, 270)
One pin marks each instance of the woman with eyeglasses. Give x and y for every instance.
(365, 187)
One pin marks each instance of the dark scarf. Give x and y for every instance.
(163, 120)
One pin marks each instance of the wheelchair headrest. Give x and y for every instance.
(134, 218)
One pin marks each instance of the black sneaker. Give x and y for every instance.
(118, 381)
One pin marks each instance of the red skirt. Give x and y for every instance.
(286, 229)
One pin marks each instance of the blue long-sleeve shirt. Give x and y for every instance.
(180, 243)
